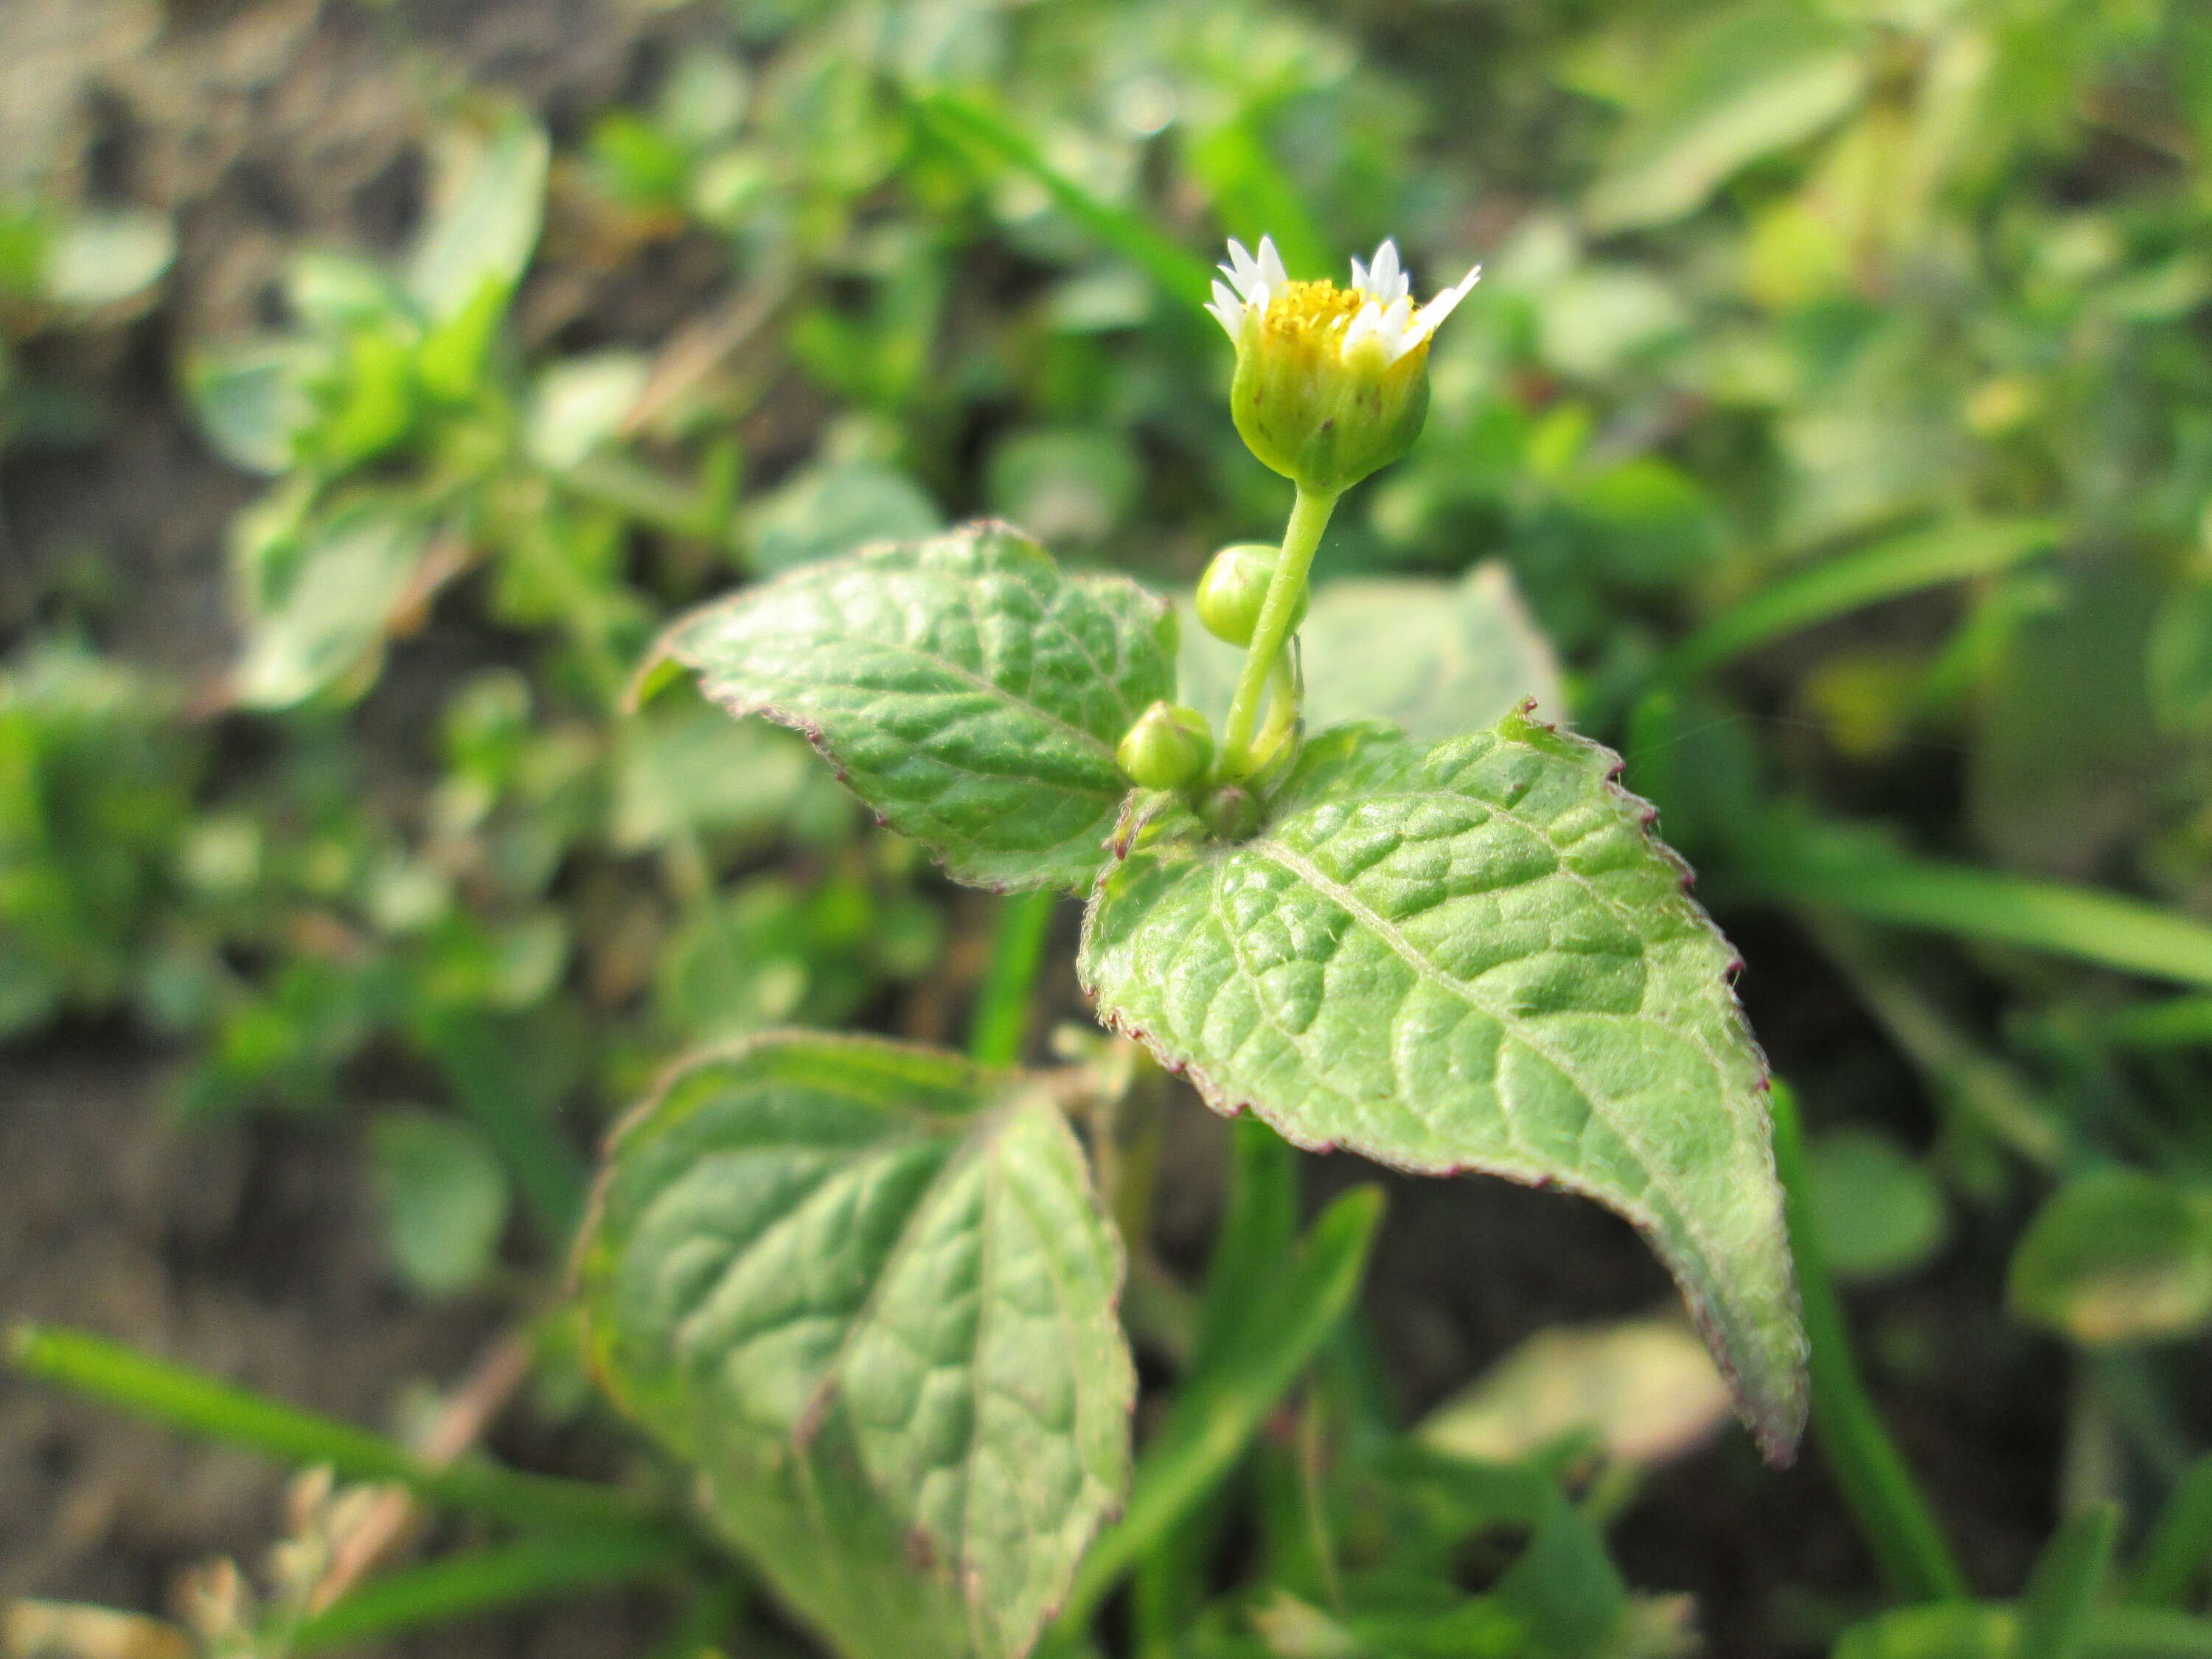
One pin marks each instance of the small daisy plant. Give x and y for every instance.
(869, 1289)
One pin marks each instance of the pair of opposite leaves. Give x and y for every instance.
(864, 1287)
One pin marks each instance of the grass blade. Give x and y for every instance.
(967, 124)
(1002, 1004)
(1215, 1416)
(1836, 869)
(198, 1403)
(1880, 1490)
(2180, 1543)
(2183, 1022)
(2056, 1610)
(1253, 197)
(529, 1571)
(1887, 570)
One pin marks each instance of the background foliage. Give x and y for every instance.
(1830, 432)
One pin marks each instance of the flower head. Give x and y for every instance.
(1331, 382)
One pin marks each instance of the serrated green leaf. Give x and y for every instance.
(1473, 956)
(866, 1289)
(970, 691)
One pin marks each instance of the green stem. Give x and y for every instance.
(1301, 539)
(1877, 1486)
(1002, 1005)
(528, 1572)
(200, 1404)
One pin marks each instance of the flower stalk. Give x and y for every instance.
(1331, 384)
(1310, 516)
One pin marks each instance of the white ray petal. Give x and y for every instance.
(1365, 331)
(1444, 304)
(1271, 264)
(1241, 269)
(1227, 309)
(1386, 277)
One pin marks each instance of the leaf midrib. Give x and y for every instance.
(1367, 916)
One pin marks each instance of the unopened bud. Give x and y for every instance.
(1234, 587)
(1169, 747)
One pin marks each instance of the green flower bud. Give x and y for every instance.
(1234, 588)
(1331, 383)
(1169, 747)
(1230, 811)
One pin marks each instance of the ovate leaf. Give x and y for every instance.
(968, 689)
(447, 1199)
(1473, 956)
(2118, 1255)
(489, 204)
(328, 608)
(866, 1290)
(100, 258)
(1878, 1211)
(1645, 1386)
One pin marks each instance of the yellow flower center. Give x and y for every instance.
(1311, 313)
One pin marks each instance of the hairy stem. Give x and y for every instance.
(1308, 518)
(1282, 709)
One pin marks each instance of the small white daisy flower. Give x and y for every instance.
(1331, 382)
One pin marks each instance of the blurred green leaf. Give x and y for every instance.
(830, 509)
(1068, 488)
(487, 203)
(1878, 1210)
(320, 619)
(1869, 576)
(2180, 661)
(99, 258)
(252, 400)
(2119, 1255)
(580, 404)
(1646, 1388)
(1740, 84)
(445, 1200)
(1440, 659)
(1216, 1413)
(966, 122)
(2057, 1607)
(2069, 759)
(1845, 868)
